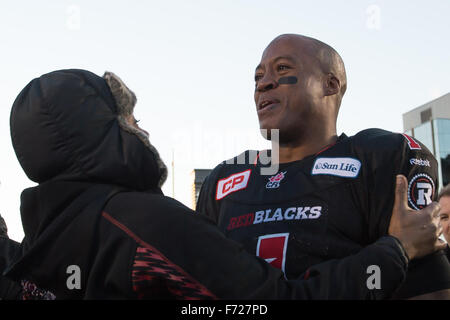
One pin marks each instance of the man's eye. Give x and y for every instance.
(444, 217)
(282, 67)
(258, 77)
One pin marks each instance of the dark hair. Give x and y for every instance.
(445, 192)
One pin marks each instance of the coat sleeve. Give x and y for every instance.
(9, 290)
(191, 257)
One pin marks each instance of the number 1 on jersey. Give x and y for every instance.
(272, 248)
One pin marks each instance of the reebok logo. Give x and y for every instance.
(419, 162)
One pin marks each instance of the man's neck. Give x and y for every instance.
(294, 152)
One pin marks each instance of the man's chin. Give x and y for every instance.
(275, 135)
(268, 132)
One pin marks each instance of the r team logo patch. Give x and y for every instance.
(420, 191)
(235, 182)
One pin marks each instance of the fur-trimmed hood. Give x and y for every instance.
(70, 125)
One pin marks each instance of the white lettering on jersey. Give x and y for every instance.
(425, 193)
(315, 212)
(268, 218)
(419, 162)
(301, 213)
(292, 213)
(289, 213)
(235, 182)
(278, 215)
(259, 217)
(342, 167)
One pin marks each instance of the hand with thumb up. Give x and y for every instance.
(418, 231)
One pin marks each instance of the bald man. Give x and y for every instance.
(318, 196)
(308, 119)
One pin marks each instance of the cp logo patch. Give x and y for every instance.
(233, 183)
(420, 191)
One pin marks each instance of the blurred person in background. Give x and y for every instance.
(444, 201)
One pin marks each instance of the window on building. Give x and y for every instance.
(442, 142)
(423, 133)
(425, 115)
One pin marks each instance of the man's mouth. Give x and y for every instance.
(267, 103)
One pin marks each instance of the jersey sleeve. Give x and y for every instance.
(391, 154)
(384, 155)
(206, 203)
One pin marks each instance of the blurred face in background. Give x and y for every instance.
(445, 213)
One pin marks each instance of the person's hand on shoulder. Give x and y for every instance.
(418, 231)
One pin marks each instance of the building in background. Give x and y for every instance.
(430, 124)
(198, 177)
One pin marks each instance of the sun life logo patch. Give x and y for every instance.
(341, 167)
(420, 191)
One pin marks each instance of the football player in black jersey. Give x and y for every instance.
(329, 196)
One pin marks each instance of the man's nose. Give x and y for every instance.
(267, 82)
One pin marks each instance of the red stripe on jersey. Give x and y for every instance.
(413, 145)
(326, 148)
(256, 160)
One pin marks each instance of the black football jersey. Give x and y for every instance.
(326, 206)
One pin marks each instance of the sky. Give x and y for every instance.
(191, 65)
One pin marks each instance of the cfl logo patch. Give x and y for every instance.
(274, 181)
(420, 191)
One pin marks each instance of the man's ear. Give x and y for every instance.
(332, 85)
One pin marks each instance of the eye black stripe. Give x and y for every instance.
(287, 80)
